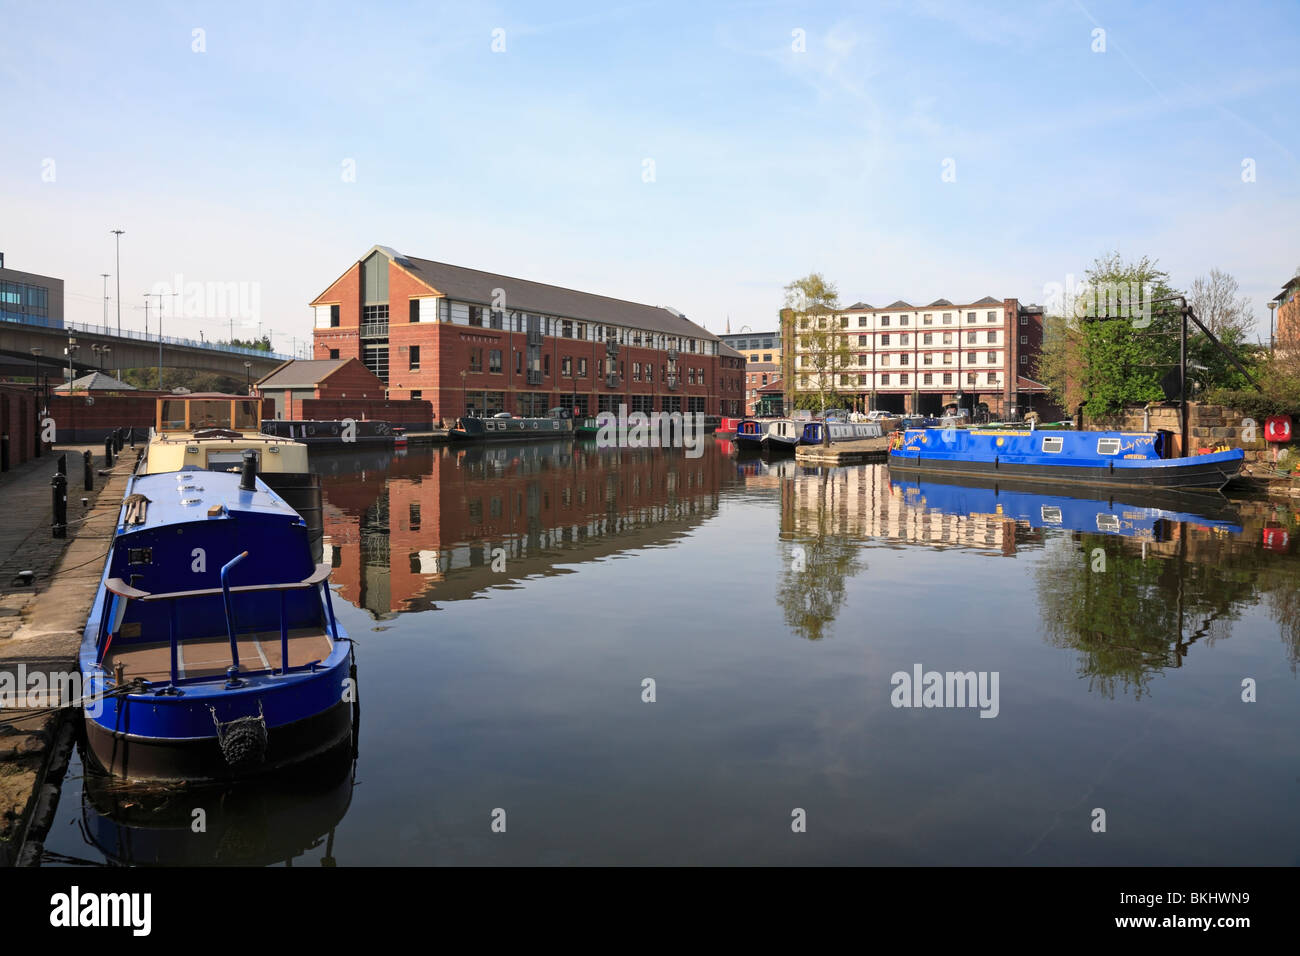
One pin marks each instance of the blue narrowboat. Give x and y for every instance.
(1107, 459)
(750, 433)
(212, 651)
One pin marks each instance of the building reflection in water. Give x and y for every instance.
(447, 523)
(1130, 582)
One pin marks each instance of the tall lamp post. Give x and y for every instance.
(105, 275)
(117, 234)
(248, 378)
(1271, 306)
(464, 393)
(72, 347)
(36, 350)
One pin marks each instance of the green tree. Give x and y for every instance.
(1129, 338)
(821, 347)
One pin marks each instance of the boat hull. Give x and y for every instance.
(200, 760)
(511, 429)
(1187, 474)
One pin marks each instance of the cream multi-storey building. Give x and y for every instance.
(919, 359)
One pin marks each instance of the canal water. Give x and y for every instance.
(632, 656)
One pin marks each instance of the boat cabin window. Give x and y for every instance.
(246, 416)
(1108, 446)
(209, 414)
(1053, 444)
(172, 416)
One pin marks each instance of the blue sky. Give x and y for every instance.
(226, 165)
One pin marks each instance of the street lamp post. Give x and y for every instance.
(117, 233)
(36, 350)
(464, 394)
(248, 378)
(1271, 306)
(105, 275)
(72, 347)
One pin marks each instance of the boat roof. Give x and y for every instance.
(179, 497)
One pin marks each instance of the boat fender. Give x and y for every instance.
(242, 740)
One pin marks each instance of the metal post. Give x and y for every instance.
(230, 611)
(59, 495)
(88, 471)
(62, 466)
(108, 451)
(1182, 379)
(118, 234)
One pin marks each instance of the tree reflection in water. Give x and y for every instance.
(810, 598)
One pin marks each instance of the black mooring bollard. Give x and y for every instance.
(132, 436)
(108, 452)
(117, 441)
(88, 469)
(59, 494)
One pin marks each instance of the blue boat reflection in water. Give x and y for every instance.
(1130, 515)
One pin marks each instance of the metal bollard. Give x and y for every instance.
(59, 493)
(117, 441)
(62, 466)
(89, 471)
(132, 436)
(108, 452)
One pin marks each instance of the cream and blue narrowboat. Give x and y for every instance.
(839, 431)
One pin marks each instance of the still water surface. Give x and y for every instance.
(509, 603)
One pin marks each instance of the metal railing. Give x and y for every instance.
(374, 329)
(102, 330)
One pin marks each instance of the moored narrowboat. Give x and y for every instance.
(782, 436)
(343, 431)
(212, 651)
(839, 431)
(506, 428)
(727, 427)
(1103, 458)
(750, 433)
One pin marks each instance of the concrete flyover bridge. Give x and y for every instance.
(19, 335)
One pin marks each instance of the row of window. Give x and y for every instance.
(884, 359)
(927, 318)
(640, 371)
(24, 299)
(972, 378)
(376, 318)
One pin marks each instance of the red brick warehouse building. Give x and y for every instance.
(478, 343)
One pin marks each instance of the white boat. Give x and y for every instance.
(782, 434)
(840, 431)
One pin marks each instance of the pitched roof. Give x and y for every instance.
(96, 381)
(1024, 384)
(938, 302)
(523, 295)
(301, 373)
(900, 304)
(727, 350)
(775, 386)
(987, 300)
(859, 307)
